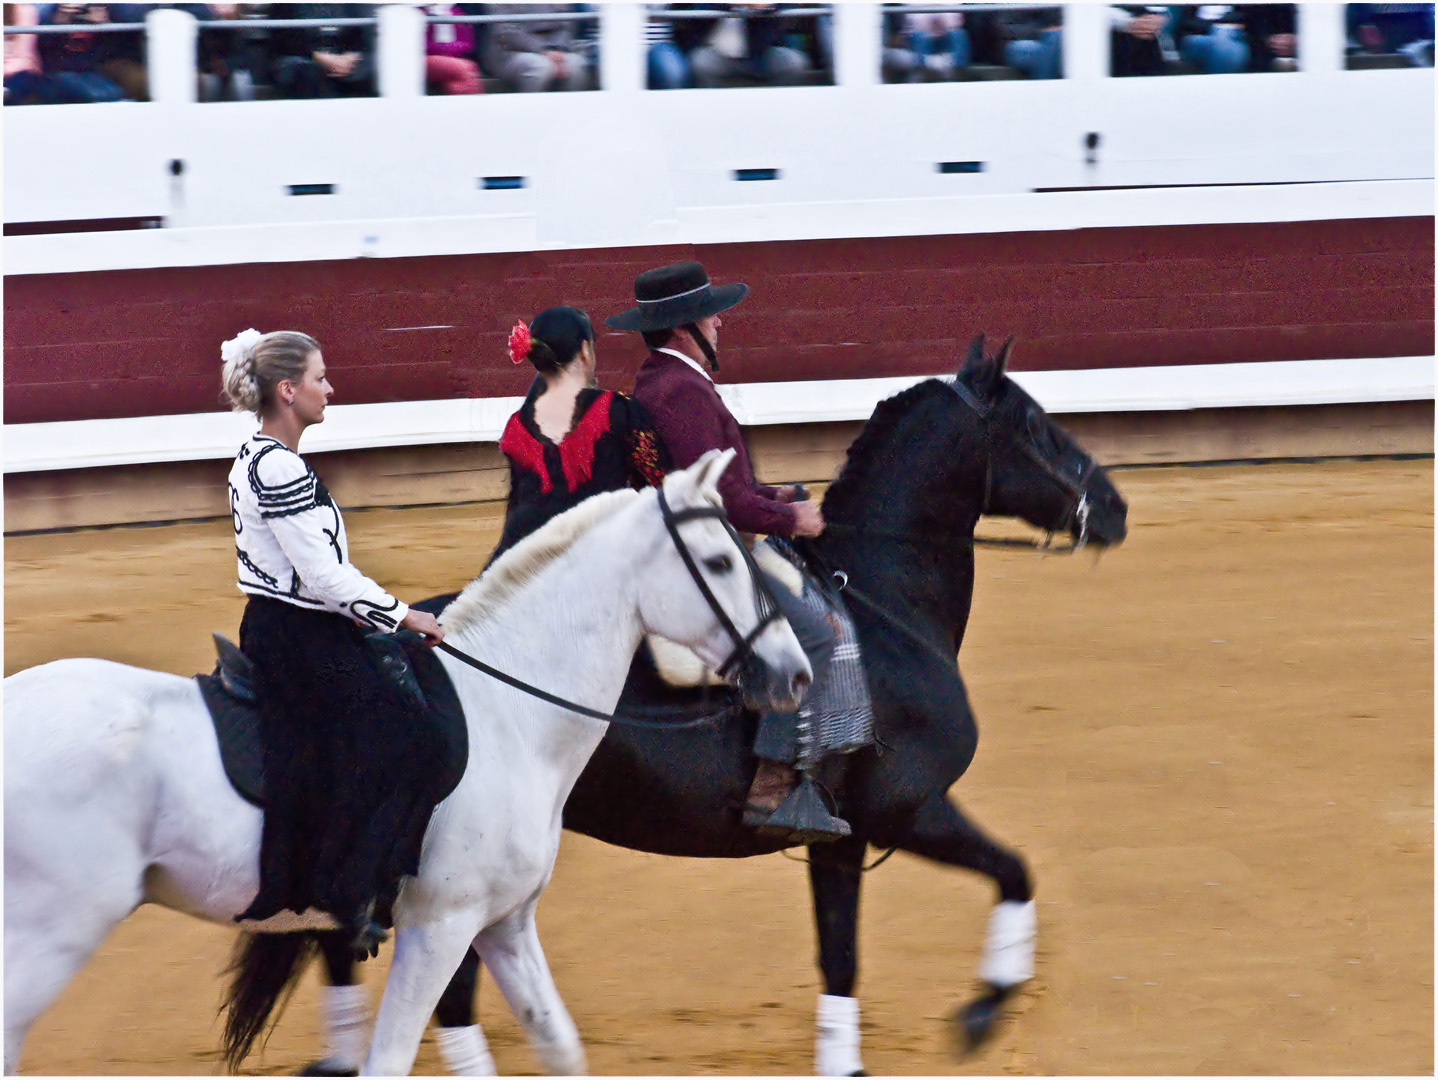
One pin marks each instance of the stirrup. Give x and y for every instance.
(802, 817)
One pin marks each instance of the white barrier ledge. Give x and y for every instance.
(81, 444)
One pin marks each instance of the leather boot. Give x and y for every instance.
(772, 784)
(779, 807)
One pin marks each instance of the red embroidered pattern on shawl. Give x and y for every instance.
(577, 449)
(524, 449)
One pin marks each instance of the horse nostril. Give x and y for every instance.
(798, 684)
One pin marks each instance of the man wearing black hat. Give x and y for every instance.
(677, 310)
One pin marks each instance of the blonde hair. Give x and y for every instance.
(256, 363)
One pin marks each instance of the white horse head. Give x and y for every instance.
(772, 671)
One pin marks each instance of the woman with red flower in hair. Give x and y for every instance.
(569, 440)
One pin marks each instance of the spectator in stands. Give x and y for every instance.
(668, 67)
(935, 46)
(1032, 40)
(449, 64)
(753, 43)
(224, 67)
(323, 61)
(1138, 40)
(539, 55)
(24, 83)
(1212, 38)
(125, 52)
(1405, 29)
(1272, 36)
(73, 62)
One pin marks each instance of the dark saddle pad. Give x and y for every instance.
(234, 710)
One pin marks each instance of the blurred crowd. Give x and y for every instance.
(328, 50)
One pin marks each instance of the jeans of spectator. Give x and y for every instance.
(778, 66)
(950, 49)
(668, 70)
(1040, 58)
(238, 85)
(1221, 51)
(76, 88)
(300, 77)
(452, 75)
(533, 72)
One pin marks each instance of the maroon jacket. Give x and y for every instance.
(691, 418)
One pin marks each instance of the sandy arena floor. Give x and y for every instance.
(1214, 746)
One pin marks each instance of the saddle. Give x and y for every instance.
(412, 671)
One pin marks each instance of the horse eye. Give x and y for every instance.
(720, 564)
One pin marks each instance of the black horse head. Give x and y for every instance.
(1033, 469)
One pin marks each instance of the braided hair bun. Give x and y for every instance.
(238, 377)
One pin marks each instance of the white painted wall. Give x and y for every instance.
(624, 166)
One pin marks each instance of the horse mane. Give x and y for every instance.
(508, 574)
(887, 416)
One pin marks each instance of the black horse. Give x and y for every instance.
(900, 534)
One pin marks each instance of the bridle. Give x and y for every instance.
(765, 607)
(1078, 507)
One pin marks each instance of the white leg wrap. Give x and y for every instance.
(561, 1058)
(836, 1039)
(1009, 949)
(347, 1030)
(464, 1051)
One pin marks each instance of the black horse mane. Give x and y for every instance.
(887, 416)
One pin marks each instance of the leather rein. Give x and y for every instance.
(767, 609)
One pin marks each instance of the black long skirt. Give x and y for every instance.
(349, 767)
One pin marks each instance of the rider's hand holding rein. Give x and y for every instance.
(424, 624)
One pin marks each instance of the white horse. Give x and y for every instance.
(115, 795)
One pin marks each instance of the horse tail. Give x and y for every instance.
(265, 969)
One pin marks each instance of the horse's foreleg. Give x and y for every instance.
(939, 831)
(511, 951)
(425, 956)
(834, 878)
(460, 1039)
(461, 1042)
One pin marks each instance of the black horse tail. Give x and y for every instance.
(265, 969)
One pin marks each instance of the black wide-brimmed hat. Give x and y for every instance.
(674, 295)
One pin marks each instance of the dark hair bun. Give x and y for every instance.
(542, 357)
(558, 334)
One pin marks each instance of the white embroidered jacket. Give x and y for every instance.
(290, 538)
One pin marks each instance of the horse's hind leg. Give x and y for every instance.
(834, 878)
(425, 956)
(50, 933)
(939, 831)
(511, 951)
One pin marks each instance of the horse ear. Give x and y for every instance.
(700, 481)
(711, 467)
(973, 360)
(1004, 356)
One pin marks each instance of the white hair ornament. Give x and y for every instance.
(239, 350)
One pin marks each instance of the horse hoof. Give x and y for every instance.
(320, 1068)
(977, 1019)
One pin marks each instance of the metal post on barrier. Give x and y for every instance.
(400, 60)
(1321, 37)
(857, 44)
(621, 68)
(171, 40)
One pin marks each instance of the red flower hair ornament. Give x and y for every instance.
(519, 342)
